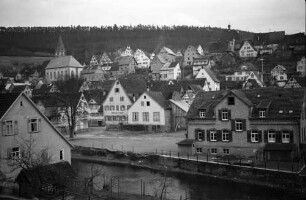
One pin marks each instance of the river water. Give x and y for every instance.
(177, 185)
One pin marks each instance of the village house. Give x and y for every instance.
(242, 72)
(212, 83)
(93, 73)
(23, 126)
(295, 82)
(189, 54)
(105, 59)
(247, 50)
(95, 99)
(62, 66)
(200, 50)
(127, 52)
(179, 109)
(151, 110)
(123, 93)
(95, 60)
(199, 63)
(20, 88)
(278, 74)
(170, 71)
(142, 60)
(156, 64)
(263, 124)
(126, 64)
(167, 54)
(301, 66)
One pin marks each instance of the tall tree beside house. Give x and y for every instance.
(69, 97)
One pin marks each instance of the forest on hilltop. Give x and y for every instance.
(83, 41)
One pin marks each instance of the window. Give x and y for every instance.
(15, 153)
(199, 135)
(226, 151)
(106, 108)
(254, 136)
(142, 103)
(135, 116)
(8, 128)
(112, 108)
(213, 136)
(224, 115)
(121, 98)
(213, 151)
(122, 107)
(21, 103)
(231, 101)
(156, 116)
(271, 136)
(285, 137)
(199, 150)
(117, 107)
(61, 154)
(111, 99)
(145, 116)
(116, 90)
(262, 113)
(33, 125)
(144, 97)
(225, 136)
(148, 103)
(238, 125)
(202, 113)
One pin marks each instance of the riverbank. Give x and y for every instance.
(291, 182)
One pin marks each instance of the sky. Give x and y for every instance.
(248, 15)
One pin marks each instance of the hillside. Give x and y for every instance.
(82, 42)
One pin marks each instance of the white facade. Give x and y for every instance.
(301, 66)
(211, 84)
(170, 71)
(146, 111)
(23, 125)
(115, 105)
(127, 52)
(200, 50)
(247, 51)
(142, 60)
(279, 73)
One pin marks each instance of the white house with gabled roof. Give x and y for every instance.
(247, 50)
(150, 110)
(142, 60)
(212, 83)
(25, 129)
(301, 66)
(170, 71)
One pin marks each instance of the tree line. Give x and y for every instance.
(83, 41)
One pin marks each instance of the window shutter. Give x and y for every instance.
(3, 128)
(203, 135)
(29, 125)
(39, 124)
(259, 136)
(278, 137)
(208, 135)
(219, 135)
(230, 136)
(229, 115)
(291, 136)
(16, 127)
(266, 136)
(244, 125)
(249, 136)
(9, 150)
(233, 125)
(219, 115)
(196, 134)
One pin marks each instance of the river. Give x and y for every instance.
(177, 185)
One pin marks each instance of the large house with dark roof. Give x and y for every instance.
(123, 93)
(170, 71)
(25, 129)
(150, 110)
(262, 124)
(62, 66)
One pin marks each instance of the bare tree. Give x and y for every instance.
(68, 99)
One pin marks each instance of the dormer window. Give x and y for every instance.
(262, 113)
(202, 113)
(116, 90)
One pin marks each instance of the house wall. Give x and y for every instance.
(210, 84)
(178, 120)
(46, 138)
(239, 144)
(247, 50)
(142, 60)
(116, 116)
(58, 73)
(301, 66)
(189, 54)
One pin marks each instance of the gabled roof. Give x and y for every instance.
(159, 98)
(169, 65)
(18, 88)
(63, 61)
(299, 79)
(211, 74)
(125, 60)
(278, 67)
(169, 51)
(133, 86)
(181, 104)
(8, 100)
(42, 89)
(96, 95)
(247, 66)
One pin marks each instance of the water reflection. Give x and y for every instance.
(131, 180)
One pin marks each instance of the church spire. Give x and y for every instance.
(60, 49)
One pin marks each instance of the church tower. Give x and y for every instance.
(60, 49)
